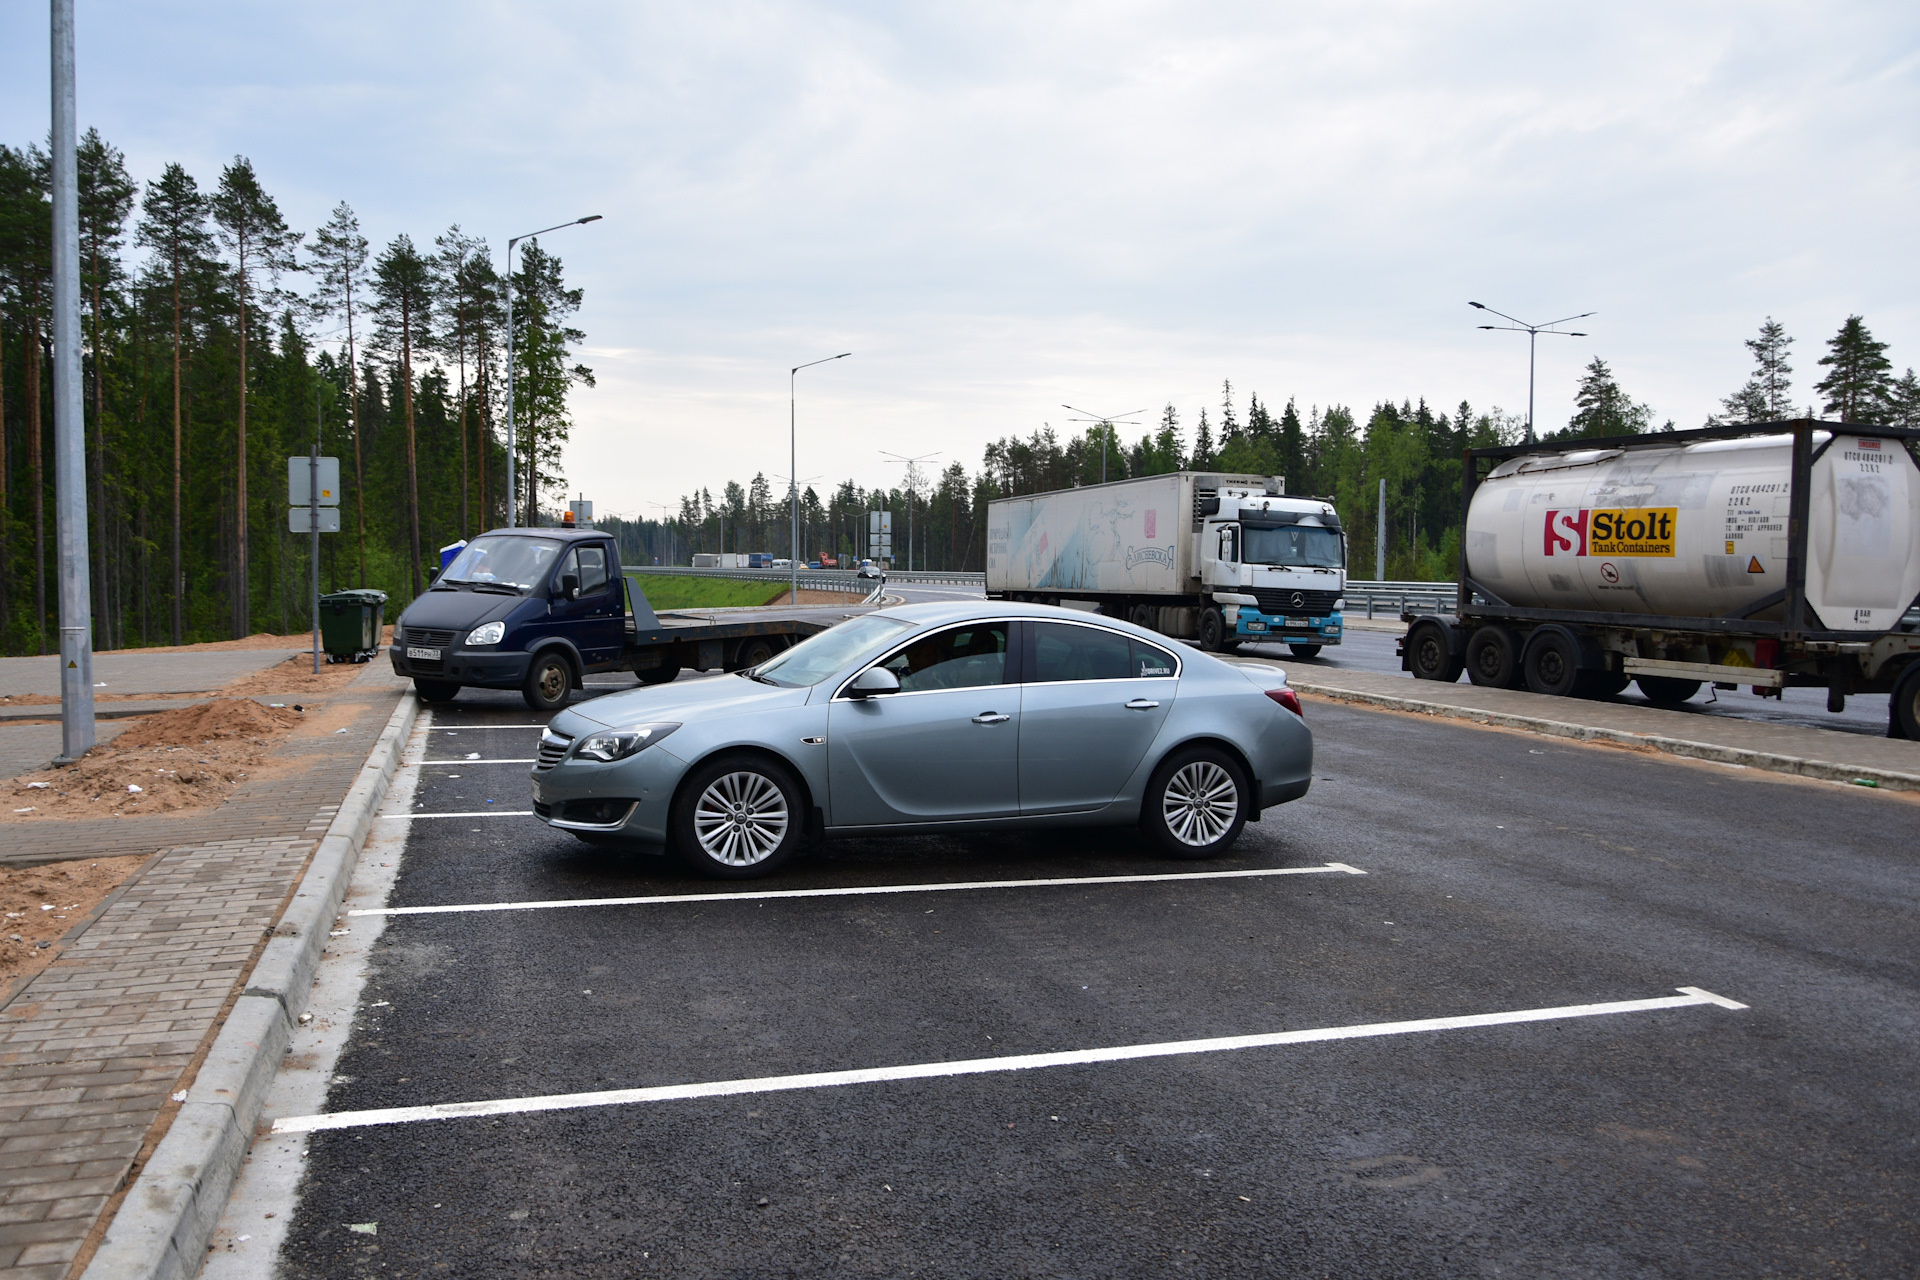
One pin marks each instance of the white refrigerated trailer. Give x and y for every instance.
(1221, 559)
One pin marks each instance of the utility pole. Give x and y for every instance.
(313, 516)
(69, 441)
(1380, 540)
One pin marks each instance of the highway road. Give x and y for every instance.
(1369, 650)
(1581, 1113)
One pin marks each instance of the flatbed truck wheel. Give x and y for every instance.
(436, 690)
(549, 679)
(665, 673)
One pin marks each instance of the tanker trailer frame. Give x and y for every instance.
(1588, 652)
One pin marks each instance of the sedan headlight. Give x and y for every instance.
(617, 744)
(492, 633)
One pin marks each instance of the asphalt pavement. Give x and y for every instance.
(1504, 873)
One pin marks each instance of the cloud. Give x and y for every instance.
(1000, 207)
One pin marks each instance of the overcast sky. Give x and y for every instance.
(1002, 207)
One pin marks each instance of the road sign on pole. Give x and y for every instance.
(880, 535)
(312, 520)
(305, 474)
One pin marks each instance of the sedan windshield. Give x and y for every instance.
(816, 658)
(517, 562)
(1295, 545)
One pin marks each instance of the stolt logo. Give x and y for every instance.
(1636, 531)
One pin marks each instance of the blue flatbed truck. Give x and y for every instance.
(538, 609)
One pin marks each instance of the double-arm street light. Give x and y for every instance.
(1533, 331)
(513, 435)
(1107, 423)
(913, 465)
(793, 460)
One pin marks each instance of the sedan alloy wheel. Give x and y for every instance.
(738, 817)
(1196, 803)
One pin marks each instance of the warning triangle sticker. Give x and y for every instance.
(71, 663)
(1753, 565)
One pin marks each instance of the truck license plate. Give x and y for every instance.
(1300, 622)
(429, 655)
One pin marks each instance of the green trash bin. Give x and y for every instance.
(350, 625)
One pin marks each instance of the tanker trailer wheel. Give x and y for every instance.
(1493, 657)
(1430, 653)
(1604, 684)
(1551, 662)
(1212, 628)
(1666, 691)
(1903, 713)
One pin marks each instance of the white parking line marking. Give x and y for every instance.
(431, 763)
(976, 1066)
(476, 728)
(477, 813)
(850, 892)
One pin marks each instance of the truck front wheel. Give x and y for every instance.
(549, 678)
(1304, 651)
(436, 690)
(1212, 629)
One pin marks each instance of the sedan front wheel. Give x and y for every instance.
(1196, 803)
(738, 817)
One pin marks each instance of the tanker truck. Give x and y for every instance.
(1774, 555)
(1221, 559)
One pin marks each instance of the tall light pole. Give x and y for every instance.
(793, 461)
(1533, 331)
(665, 509)
(1106, 423)
(69, 457)
(513, 433)
(912, 471)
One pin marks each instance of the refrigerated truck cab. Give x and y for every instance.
(538, 609)
(1220, 559)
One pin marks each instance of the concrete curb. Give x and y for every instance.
(163, 1226)
(1824, 770)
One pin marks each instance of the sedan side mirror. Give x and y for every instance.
(872, 681)
(570, 586)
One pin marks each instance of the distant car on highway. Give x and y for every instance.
(868, 569)
(931, 718)
(782, 562)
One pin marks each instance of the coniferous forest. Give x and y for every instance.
(219, 340)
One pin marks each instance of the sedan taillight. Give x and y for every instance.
(1288, 699)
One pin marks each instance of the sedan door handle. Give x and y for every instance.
(1142, 704)
(992, 717)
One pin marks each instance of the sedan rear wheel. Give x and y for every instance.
(738, 817)
(1196, 803)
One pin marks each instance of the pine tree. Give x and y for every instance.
(1203, 454)
(462, 298)
(259, 241)
(340, 261)
(1903, 403)
(1856, 390)
(1601, 408)
(106, 198)
(1291, 453)
(174, 225)
(1771, 373)
(543, 377)
(403, 287)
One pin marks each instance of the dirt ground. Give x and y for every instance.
(42, 903)
(190, 758)
(258, 640)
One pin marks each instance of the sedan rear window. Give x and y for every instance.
(1066, 652)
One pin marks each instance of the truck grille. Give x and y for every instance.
(1284, 600)
(429, 639)
(552, 747)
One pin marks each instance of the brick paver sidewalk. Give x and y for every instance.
(92, 1049)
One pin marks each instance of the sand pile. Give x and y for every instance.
(185, 759)
(39, 904)
(296, 675)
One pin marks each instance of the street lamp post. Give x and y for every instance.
(1533, 331)
(513, 433)
(793, 461)
(1107, 430)
(912, 464)
(69, 425)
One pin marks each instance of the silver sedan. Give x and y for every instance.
(931, 717)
